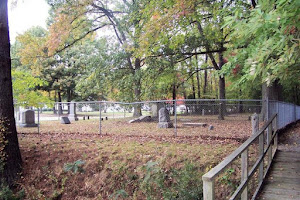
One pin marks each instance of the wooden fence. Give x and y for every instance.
(267, 148)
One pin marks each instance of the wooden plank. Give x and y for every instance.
(272, 196)
(283, 182)
(244, 173)
(282, 185)
(280, 191)
(288, 155)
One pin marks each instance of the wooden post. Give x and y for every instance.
(244, 173)
(208, 189)
(254, 123)
(275, 132)
(269, 138)
(261, 153)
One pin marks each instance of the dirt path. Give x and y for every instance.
(289, 140)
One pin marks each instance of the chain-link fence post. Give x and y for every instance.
(38, 120)
(100, 118)
(56, 104)
(113, 109)
(124, 111)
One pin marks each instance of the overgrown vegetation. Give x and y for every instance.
(115, 169)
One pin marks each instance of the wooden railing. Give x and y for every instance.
(242, 152)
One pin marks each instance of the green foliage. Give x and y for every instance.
(270, 35)
(75, 167)
(119, 194)
(7, 194)
(25, 89)
(182, 183)
(3, 142)
(226, 179)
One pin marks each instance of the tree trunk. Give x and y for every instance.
(174, 94)
(69, 99)
(193, 87)
(272, 92)
(54, 109)
(60, 109)
(205, 78)
(198, 78)
(222, 94)
(10, 156)
(137, 88)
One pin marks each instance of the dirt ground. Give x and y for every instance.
(112, 160)
(289, 139)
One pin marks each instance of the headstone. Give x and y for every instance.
(145, 118)
(73, 116)
(136, 120)
(155, 107)
(195, 124)
(254, 123)
(27, 119)
(164, 119)
(65, 120)
(141, 119)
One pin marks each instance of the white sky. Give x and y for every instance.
(25, 14)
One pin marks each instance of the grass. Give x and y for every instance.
(128, 161)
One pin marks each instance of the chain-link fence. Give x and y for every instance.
(192, 117)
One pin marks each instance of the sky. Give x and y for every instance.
(25, 14)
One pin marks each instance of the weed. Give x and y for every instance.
(119, 194)
(226, 179)
(182, 183)
(74, 167)
(7, 194)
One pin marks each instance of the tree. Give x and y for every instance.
(10, 156)
(25, 91)
(195, 27)
(123, 17)
(269, 34)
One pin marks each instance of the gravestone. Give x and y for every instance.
(155, 107)
(195, 124)
(164, 119)
(73, 116)
(65, 120)
(27, 119)
(141, 119)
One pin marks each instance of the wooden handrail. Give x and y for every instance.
(209, 177)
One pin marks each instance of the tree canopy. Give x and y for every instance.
(163, 49)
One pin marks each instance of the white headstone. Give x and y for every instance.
(73, 116)
(164, 119)
(27, 119)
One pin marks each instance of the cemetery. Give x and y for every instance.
(134, 99)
